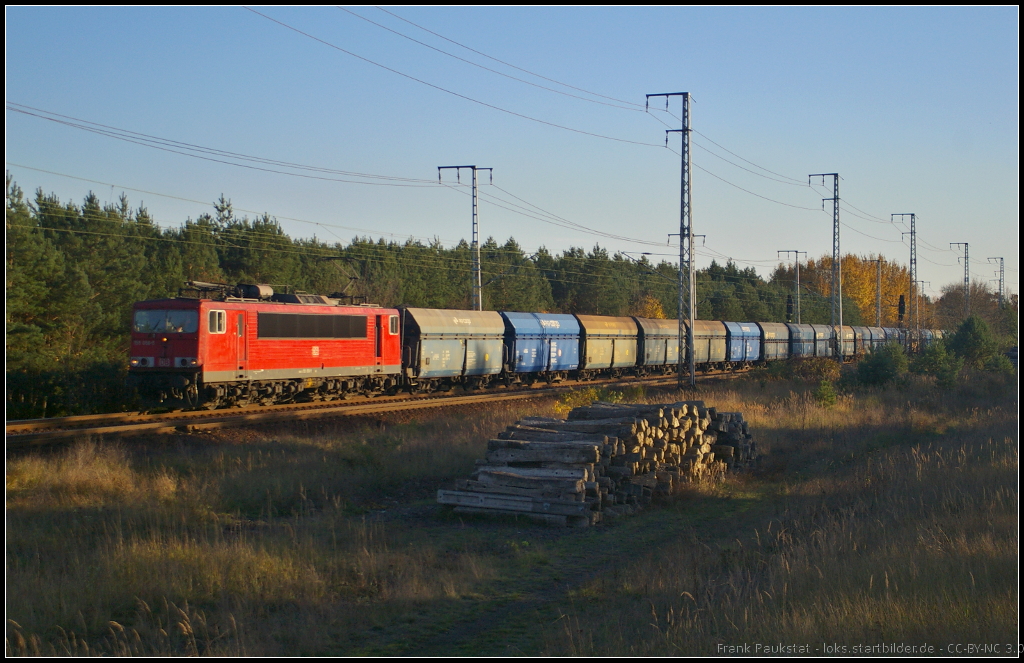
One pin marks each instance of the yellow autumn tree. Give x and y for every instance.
(647, 306)
(860, 285)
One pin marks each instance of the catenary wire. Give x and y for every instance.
(451, 92)
(551, 80)
(327, 227)
(159, 140)
(493, 71)
(794, 180)
(771, 200)
(222, 161)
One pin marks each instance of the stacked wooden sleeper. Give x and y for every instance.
(604, 460)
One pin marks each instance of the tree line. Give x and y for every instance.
(73, 272)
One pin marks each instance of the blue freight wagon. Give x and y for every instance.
(801, 340)
(545, 345)
(744, 341)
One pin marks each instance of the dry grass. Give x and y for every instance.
(271, 535)
(890, 516)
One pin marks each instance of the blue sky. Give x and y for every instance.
(917, 109)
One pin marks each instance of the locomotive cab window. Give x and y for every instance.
(150, 321)
(393, 323)
(218, 322)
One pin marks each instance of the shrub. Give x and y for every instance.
(949, 375)
(580, 397)
(816, 369)
(825, 395)
(935, 360)
(883, 365)
(932, 359)
(973, 342)
(999, 364)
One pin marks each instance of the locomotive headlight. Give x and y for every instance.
(134, 362)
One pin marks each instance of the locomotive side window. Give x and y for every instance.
(166, 321)
(305, 325)
(218, 322)
(394, 325)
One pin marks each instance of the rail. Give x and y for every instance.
(32, 432)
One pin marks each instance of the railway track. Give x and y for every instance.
(36, 432)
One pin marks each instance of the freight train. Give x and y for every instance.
(243, 345)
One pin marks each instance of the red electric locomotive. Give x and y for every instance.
(241, 345)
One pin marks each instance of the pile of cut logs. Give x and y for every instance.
(605, 460)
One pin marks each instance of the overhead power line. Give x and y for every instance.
(757, 195)
(773, 179)
(447, 91)
(792, 179)
(507, 64)
(891, 241)
(493, 71)
(330, 228)
(208, 153)
(197, 151)
(325, 226)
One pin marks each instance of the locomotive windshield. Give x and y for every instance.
(166, 321)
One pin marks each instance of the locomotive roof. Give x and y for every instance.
(195, 302)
